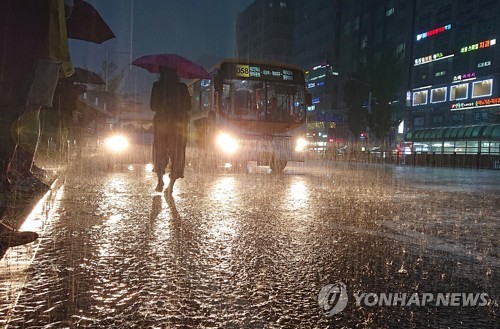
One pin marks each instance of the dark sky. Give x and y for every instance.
(200, 30)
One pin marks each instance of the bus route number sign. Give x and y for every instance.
(243, 70)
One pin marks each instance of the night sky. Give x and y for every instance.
(200, 30)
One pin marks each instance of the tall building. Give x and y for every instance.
(448, 76)
(374, 32)
(316, 50)
(455, 83)
(264, 31)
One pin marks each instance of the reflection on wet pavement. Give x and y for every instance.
(253, 250)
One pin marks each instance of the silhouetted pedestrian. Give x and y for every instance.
(171, 103)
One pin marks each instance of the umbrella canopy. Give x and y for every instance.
(184, 67)
(86, 24)
(85, 76)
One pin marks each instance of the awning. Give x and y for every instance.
(476, 132)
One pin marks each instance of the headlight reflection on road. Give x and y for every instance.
(298, 194)
(225, 197)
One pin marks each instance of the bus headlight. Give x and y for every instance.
(227, 143)
(116, 143)
(300, 145)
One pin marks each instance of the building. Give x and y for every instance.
(264, 31)
(455, 81)
(316, 49)
(374, 34)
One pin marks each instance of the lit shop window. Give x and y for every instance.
(459, 92)
(482, 88)
(438, 95)
(483, 64)
(420, 97)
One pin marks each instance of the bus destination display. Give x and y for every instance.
(263, 72)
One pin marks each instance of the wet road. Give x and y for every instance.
(254, 250)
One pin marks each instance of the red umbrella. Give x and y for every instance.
(86, 24)
(185, 68)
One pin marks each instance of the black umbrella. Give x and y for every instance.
(85, 76)
(86, 24)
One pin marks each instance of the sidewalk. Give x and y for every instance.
(19, 206)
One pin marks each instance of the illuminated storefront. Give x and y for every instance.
(455, 88)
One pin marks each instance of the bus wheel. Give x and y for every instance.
(277, 165)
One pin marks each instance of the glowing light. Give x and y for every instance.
(300, 145)
(479, 45)
(431, 58)
(116, 143)
(433, 32)
(227, 143)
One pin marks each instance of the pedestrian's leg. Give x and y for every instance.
(160, 171)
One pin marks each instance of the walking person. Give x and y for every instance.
(171, 103)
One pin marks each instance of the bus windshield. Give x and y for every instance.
(258, 100)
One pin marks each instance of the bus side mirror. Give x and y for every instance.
(309, 98)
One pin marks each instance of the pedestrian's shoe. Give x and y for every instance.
(39, 172)
(30, 184)
(12, 238)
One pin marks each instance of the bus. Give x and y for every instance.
(249, 111)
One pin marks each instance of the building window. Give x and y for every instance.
(420, 97)
(444, 14)
(482, 88)
(363, 61)
(440, 74)
(437, 119)
(364, 42)
(389, 12)
(355, 24)
(459, 92)
(400, 49)
(418, 121)
(282, 4)
(466, 7)
(438, 95)
(484, 57)
(463, 35)
(347, 28)
(486, 27)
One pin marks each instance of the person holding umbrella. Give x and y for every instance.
(171, 103)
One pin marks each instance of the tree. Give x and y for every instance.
(110, 77)
(355, 98)
(383, 80)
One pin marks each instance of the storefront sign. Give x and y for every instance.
(480, 45)
(433, 32)
(431, 58)
(462, 77)
(476, 104)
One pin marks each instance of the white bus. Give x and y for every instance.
(249, 111)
